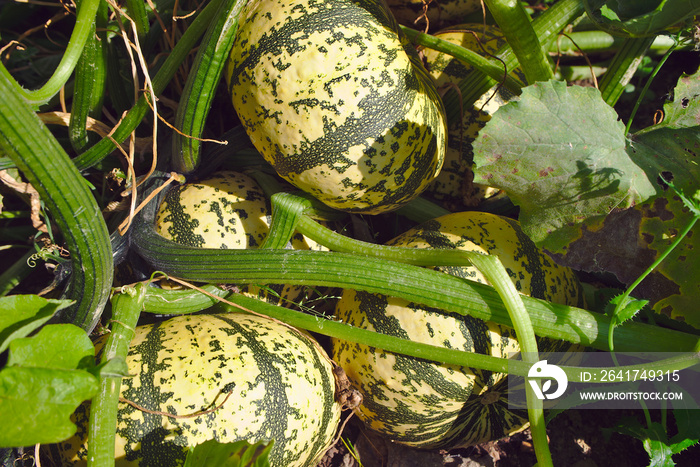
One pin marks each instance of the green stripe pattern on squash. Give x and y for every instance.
(270, 381)
(424, 404)
(227, 210)
(336, 99)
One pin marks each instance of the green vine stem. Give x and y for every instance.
(337, 329)
(182, 301)
(494, 272)
(87, 9)
(126, 306)
(420, 285)
(137, 12)
(67, 196)
(576, 42)
(622, 68)
(89, 82)
(165, 73)
(201, 84)
(490, 67)
(547, 26)
(512, 19)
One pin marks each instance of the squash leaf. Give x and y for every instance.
(628, 241)
(22, 314)
(37, 403)
(561, 155)
(238, 454)
(43, 383)
(684, 110)
(630, 306)
(60, 346)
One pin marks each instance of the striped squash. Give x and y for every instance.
(266, 380)
(227, 210)
(336, 99)
(424, 404)
(453, 187)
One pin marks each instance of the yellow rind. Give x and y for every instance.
(332, 100)
(227, 211)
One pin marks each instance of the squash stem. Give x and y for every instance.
(496, 274)
(494, 69)
(424, 286)
(623, 67)
(127, 307)
(200, 87)
(185, 302)
(546, 26)
(165, 73)
(512, 19)
(84, 21)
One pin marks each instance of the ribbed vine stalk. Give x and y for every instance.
(89, 81)
(165, 73)
(622, 68)
(201, 85)
(515, 25)
(546, 27)
(67, 196)
(84, 22)
(126, 306)
(188, 299)
(494, 272)
(578, 42)
(417, 284)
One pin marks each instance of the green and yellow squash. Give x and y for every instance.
(264, 380)
(227, 210)
(424, 404)
(336, 99)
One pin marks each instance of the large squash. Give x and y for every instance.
(337, 100)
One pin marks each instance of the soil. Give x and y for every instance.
(577, 438)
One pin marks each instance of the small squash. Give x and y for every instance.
(227, 210)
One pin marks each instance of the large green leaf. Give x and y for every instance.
(43, 383)
(22, 314)
(628, 241)
(560, 154)
(36, 403)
